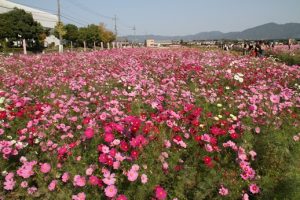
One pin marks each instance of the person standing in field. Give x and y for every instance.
(289, 43)
(263, 48)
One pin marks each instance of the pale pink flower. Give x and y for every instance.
(116, 165)
(252, 154)
(110, 191)
(135, 167)
(24, 184)
(89, 171)
(26, 170)
(109, 179)
(79, 181)
(275, 98)
(144, 178)
(245, 196)
(223, 191)
(165, 165)
(208, 148)
(79, 196)
(257, 129)
(132, 175)
(103, 116)
(31, 190)
(9, 182)
(167, 143)
(52, 185)
(45, 168)
(65, 177)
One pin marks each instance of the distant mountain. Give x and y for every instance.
(262, 32)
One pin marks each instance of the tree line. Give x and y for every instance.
(18, 25)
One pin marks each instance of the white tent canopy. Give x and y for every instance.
(46, 19)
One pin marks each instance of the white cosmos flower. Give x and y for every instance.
(236, 77)
(2, 99)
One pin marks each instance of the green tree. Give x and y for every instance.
(71, 33)
(82, 35)
(17, 25)
(93, 34)
(105, 34)
(59, 30)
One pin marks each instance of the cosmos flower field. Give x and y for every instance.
(149, 124)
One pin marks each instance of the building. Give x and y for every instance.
(153, 43)
(46, 19)
(150, 43)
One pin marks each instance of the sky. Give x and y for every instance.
(172, 17)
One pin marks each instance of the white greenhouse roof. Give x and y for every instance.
(46, 19)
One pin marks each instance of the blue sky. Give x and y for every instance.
(173, 17)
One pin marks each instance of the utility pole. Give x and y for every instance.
(134, 29)
(59, 24)
(116, 30)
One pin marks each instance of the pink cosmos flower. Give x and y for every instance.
(135, 167)
(65, 177)
(109, 179)
(254, 189)
(31, 190)
(144, 178)
(45, 168)
(165, 166)
(89, 171)
(79, 196)
(26, 170)
(79, 181)
(208, 148)
(252, 154)
(296, 138)
(103, 116)
(257, 129)
(52, 185)
(223, 191)
(116, 165)
(132, 175)
(160, 193)
(245, 196)
(24, 184)
(9, 182)
(275, 98)
(167, 143)
(110, 191)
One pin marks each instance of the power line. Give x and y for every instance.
(47, 19)
(80, 21)
(85, 8)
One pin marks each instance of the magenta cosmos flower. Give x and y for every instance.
(89, 133)
(160, 193)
